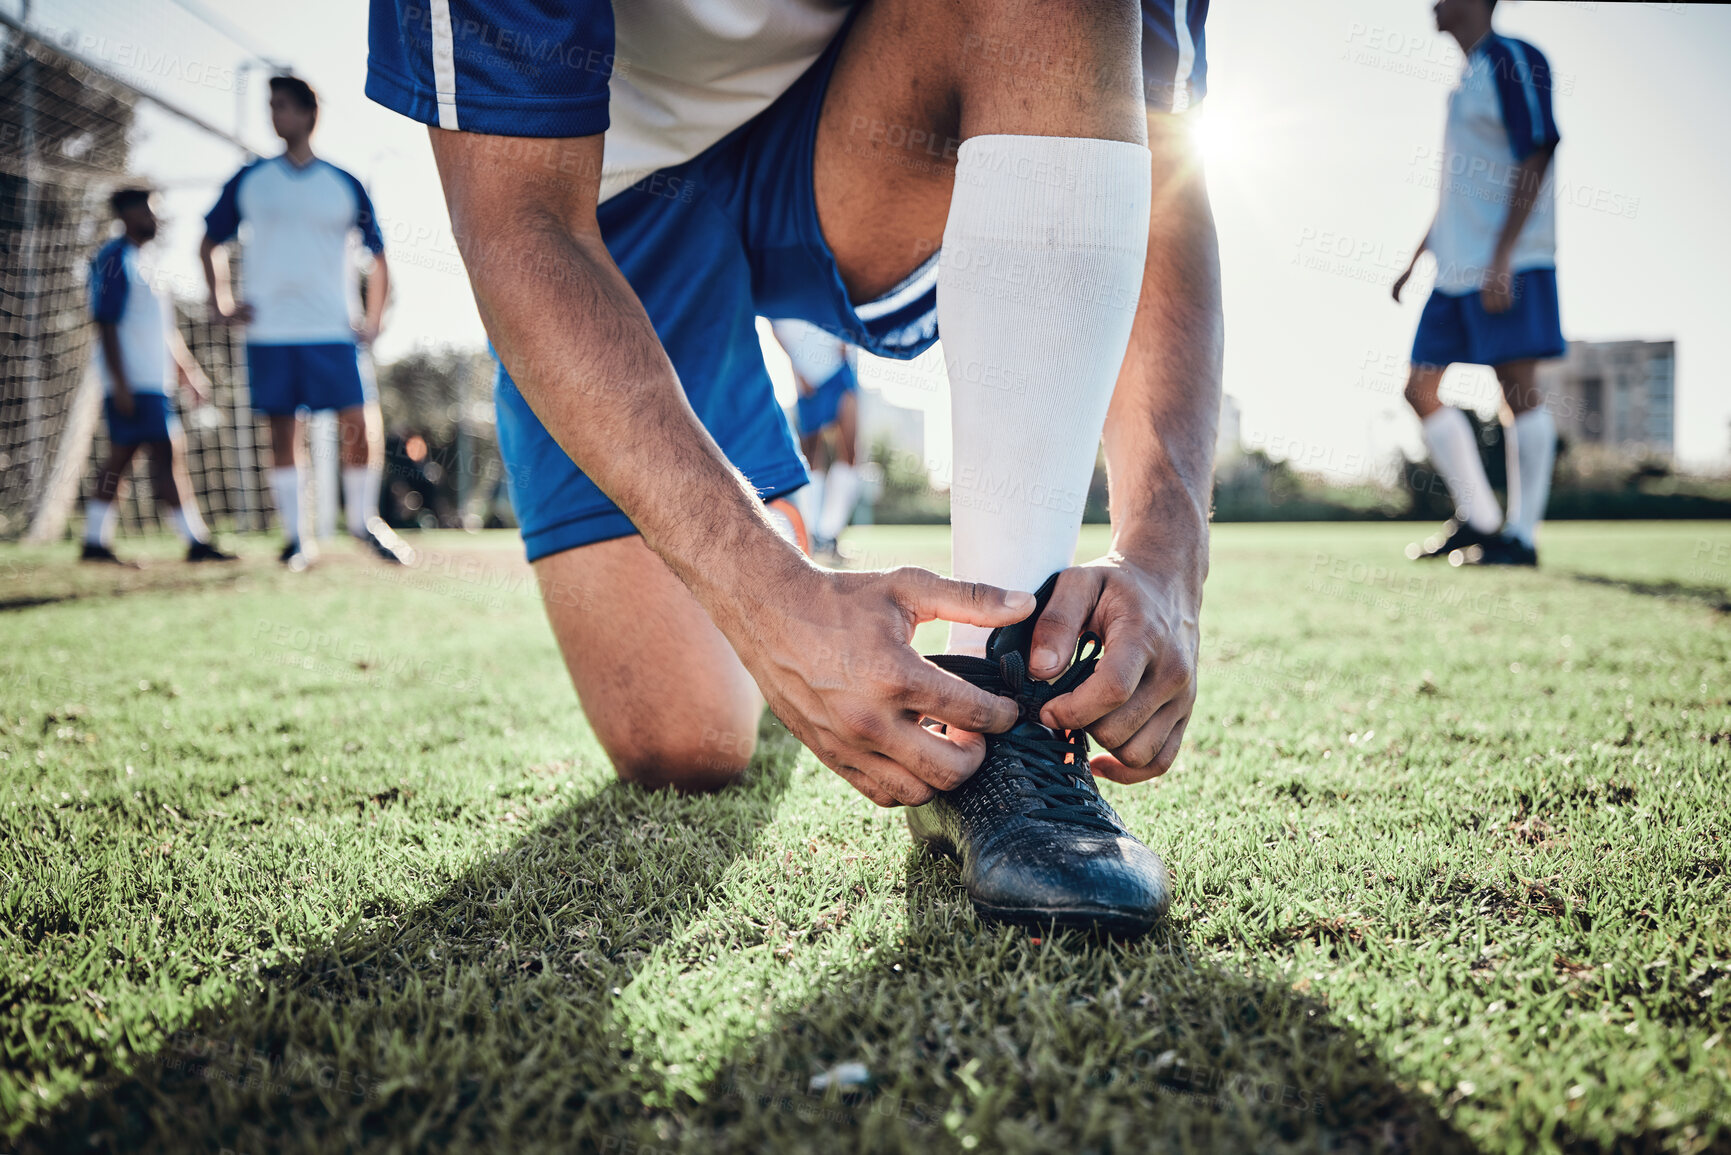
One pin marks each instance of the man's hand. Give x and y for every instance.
(366, 333)
(195, 382)
(835, 662)
(239, 314)
(1498, 292)
(122, 398)
(1138, 701)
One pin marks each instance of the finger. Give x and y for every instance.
(866, 785)
(938, 694)
(894, 780)
(1122, 665)
(928, 596)
(1061, 622)
(1151, 752)
(941, 761)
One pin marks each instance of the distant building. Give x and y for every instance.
(1620, 394)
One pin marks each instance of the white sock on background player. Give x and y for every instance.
(841, 485)
(808, 499)
(360, 497)
(285, 486)
(1449, 437)
(1531, 442)
(188, 524)
(1037, 287)
(98, 522)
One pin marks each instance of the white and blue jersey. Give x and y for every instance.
(709, 110)
(664, 79)
(1498, 115)
(121, 295)
(299, 267)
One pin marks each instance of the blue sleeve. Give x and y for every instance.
(222, 222)
(1523, 81)
(108, 283)
(1174, 61)
(502, 67)
(365, 219)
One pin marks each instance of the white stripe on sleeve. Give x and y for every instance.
(1186, 57)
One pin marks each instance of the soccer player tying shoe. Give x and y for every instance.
(1495, 298)
(826, 373)
(301, 340)
(797, 159)
(141, 356)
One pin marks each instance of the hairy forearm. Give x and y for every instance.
(1160, 429)
(1529, 177)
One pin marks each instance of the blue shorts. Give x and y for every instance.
(284, 378)
(1454, 327)
(708, 246)
(820, 409)
(153, 419)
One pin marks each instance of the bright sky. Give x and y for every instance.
(1323, 121)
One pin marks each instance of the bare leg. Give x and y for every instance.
(165, 478)
(1519, 380)
(354, 431)
(114, 471)
(285, 436)
(668, 698)
(1422, 385)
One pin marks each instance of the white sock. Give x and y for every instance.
(98, 522)
(840, 494)
(1455, 452)
(808, 499)
(285, 484)
(1532, 451)
(360, 497)
(1037, 287)
(188, 524)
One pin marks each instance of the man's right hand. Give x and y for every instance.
(835, 660)
(122, 398)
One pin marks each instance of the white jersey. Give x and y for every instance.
(1498, 115)
(816, 355)
(299, 274)
(121, 294)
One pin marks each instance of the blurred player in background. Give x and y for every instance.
(1495, 300)
(826, 373)
(301, 341)
(141, 358)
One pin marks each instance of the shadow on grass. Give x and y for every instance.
(1713, 597)
(431, 1028)
(975, 1038)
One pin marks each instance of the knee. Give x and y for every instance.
(695, 761)
(1421, 395)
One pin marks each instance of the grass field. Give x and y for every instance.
(331, 861)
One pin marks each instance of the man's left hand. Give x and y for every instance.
(1138, 701)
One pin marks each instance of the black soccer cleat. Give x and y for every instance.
(384, 542)
(1038, 845)
(295, 558)
(1504, 549)
(102, 555)
(207, 551)
(1452, 536)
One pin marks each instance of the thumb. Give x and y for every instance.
(928, 596)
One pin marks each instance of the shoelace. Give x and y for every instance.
(1065, 788)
